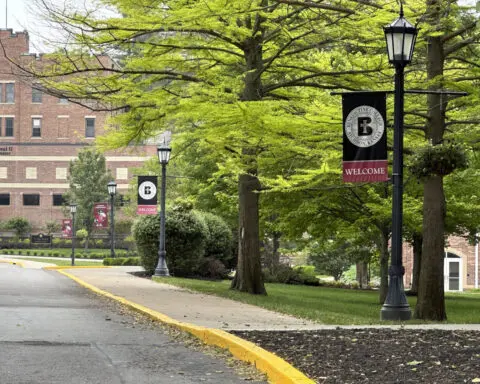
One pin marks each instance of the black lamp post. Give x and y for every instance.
(73, 210)
(163, 151)
(112, 190)
(400, 37)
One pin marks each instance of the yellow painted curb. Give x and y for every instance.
(57, 267)
(20, 264)
(277, 370)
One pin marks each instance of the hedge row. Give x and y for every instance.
(79, 255)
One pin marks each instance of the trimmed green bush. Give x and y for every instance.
(186, 237)
(219, 240)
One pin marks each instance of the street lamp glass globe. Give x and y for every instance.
(73, 208)
(164, 151)
(112, 188)
(400, 37)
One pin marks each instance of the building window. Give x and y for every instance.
(3, 172)
(31, 199)
(10, 93)
(30, 173)
(36, 127)
(4, 199)
(122, 174)
(89, 127)
(61, 173)
(9, 126)
(36, 95)
(62, 100)
(58, 200)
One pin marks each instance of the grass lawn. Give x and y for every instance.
(78, 263)
(328, 305)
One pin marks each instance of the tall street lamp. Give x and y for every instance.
(73, 210)
(112, 190)
(163, 151)
(400, 37)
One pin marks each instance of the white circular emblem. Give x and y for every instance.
(364, 126)
(147, 190)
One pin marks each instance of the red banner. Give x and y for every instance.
(67, 229)
(365, 171)
(100, 218)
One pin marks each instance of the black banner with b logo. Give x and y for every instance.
(364, 137)
(147, 195)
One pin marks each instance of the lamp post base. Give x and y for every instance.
(161, 272)
(162, 269)
(395, 313)
(396, 306)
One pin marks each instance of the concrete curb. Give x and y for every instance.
(277, 370)
(20, 264)
(58, 267)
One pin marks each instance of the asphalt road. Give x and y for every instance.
(54, 331)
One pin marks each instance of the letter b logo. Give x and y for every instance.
(363, 128)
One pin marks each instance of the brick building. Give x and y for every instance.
(461, 259)
(39, 135)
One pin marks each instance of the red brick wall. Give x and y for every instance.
(61, 139)
(455, 244)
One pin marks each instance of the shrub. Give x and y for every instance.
(219, 240)
(186, 237)
(212, 268)
(81, 234)
(20, 225)
(27, 253)
(123, 227)
(284, 274)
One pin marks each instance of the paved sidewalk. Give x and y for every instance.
(211, 311)
(186, 306)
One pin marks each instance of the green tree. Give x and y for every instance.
(52, 227)
(19, 225)
(451, 61)
(235, 77)
(88, 178)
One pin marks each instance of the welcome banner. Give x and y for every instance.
(364, 137)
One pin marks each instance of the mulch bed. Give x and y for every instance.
(377, 355)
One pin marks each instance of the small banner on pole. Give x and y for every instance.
(364, 137)
(100, 218)
(67, 230)
(147, 195)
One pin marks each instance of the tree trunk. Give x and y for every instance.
(417, 257)
(362, 274)
(248, 277)
(431, 300)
